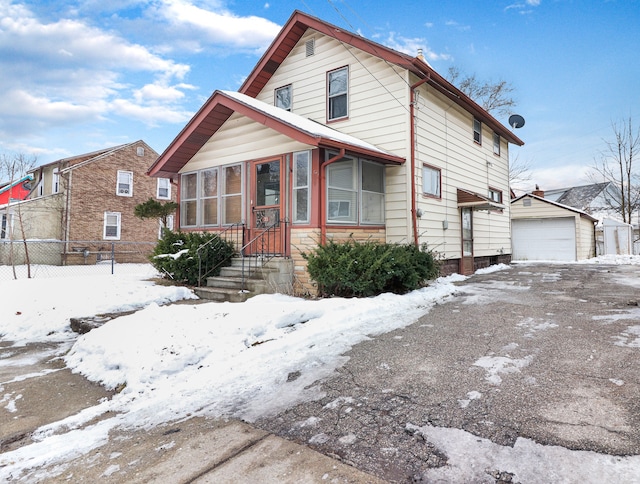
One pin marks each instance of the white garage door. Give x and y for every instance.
(544, 239)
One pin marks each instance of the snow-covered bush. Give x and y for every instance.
(362, 269)
(184, 257)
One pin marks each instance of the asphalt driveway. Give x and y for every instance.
(549, 354)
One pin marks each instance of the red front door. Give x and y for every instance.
(267, 197)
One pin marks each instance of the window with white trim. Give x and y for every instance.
(164, 189)
(431, 181)
(301, 187)
(55, 181)
(495, 195)
(124, 185)
(496, 144)
(355, 192)
(5, 226)
(338, 94)
(211, 197)
(477, 131)
(111, 226)
(283, 97)
(162, 226)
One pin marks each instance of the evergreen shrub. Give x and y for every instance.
(183, 268)
(362, 269)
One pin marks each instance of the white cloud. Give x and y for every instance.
(66, 72)
(411, 45)
(151, 115)
(220, 26)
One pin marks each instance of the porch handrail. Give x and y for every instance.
(263, 256)
(221, 236)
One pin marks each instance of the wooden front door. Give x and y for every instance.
(267, 197)
(466, 262)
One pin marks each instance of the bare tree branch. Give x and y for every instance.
(494, 97)
(615, 164)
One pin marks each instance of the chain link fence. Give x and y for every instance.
(20, 259)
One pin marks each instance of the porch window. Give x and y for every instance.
(111, 226)
(232, 194)
(211, 197)
(164, 189)
(355, 192)
(337, 92)
(342, 192)
(372, 193)
(189, 200)
(430, 181)
(283, 97)
(124, 187)
(301, 186)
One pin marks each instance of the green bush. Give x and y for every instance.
(361, 269)
(184, 268)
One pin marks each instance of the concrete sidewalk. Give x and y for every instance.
(207, 451)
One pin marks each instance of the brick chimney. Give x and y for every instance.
(537, 192)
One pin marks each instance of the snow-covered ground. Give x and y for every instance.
(213, 359)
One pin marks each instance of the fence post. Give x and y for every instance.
(113, 256)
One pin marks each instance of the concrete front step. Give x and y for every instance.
(221, 294)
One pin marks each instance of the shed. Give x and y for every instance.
(542, 229)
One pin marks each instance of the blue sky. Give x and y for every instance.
(77, 76)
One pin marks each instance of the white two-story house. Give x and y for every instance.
(333, 136)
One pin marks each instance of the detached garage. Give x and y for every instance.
(546, 230)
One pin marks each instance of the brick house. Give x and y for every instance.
(335, 136)
(87, 202)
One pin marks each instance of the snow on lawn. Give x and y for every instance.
(170, 362)
(39, 309)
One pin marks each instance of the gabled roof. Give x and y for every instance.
(222, 104)
(298, 24)
(77, 161)
(211, 116)
(581, 197)
(551, 202)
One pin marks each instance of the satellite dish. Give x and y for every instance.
(516, 121)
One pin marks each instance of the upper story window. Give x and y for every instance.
(430, 181)
(338, 93)
(55, 181)
(477, 131)
(124, 187)
(164, 189)
(496, 144)
(283, 97)
(495, 195)
(5, 225)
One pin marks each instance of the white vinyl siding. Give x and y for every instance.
(111, 230)
(124, 184)
(444, 141)
(535, 209)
